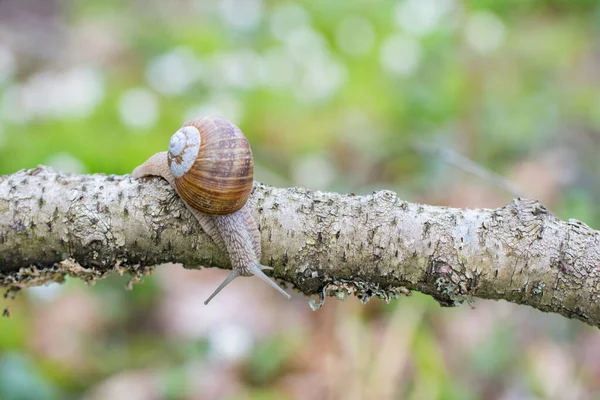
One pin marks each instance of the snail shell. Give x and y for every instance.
(211, 161)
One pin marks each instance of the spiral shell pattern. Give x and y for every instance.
(183, 150)
(212, 163)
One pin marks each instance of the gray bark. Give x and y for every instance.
(53, 224)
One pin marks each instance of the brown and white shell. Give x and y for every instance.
(212, 163)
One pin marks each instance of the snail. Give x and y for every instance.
(209, 164)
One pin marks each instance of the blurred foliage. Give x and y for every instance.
(333, 95)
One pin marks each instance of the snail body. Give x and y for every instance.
(209, 164)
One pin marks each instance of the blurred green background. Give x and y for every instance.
(429, 98)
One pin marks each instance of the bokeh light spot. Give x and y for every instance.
(355, 36)
(7, 64)
(230, 342)
(400, 55)
(241, 14)
(313, 171)
(139, 108)
(286, 19)
(66, 162)
(420, 17)
(173, 73)
(484, 32)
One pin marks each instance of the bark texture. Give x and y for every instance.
(53, 224)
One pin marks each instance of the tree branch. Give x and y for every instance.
(53, 224)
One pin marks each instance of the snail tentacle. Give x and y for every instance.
(256, 271)
(249, 271)
(232, 275)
